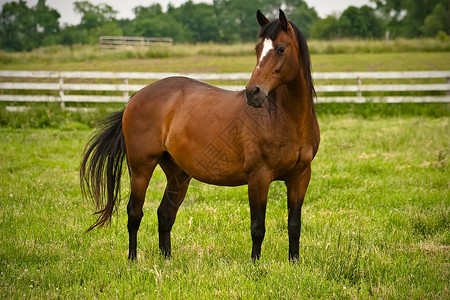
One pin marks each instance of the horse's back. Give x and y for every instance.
(172, 93)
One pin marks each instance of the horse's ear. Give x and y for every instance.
(283, 21)
(262, 20)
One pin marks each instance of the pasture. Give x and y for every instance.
(375, 223)
(326, 56)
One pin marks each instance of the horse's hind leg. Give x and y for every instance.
(177, 185)
(140, 178)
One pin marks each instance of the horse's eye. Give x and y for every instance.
(281, 50)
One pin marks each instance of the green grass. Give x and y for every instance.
(379, 46)
(329, 56)
(51, 115)
(363, 62)
(375, 223)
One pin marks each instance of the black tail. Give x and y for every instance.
(101, 167)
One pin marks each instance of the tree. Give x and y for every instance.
(71, 35)
(96, 20)
(15, 23)
(47, 23)
(152, 22)
(438, 20)
(360, 22)
(237, 19)
(109, 29)
(24, 28)
(300, 14)
(200, 19)
(94, 15)
(408, 18)
(327, 28)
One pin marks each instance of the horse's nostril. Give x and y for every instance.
(253, 93)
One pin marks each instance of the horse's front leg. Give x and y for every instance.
(258, 189)
(296, 190)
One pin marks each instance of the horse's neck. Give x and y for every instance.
(295, 98)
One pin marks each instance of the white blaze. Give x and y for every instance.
(267, 46)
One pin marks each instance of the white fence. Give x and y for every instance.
(63, 87)
(124, 41)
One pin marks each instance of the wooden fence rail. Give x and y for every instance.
(66, 87)
(124, 41)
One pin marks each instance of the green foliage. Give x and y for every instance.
(360, 23)
(370, 110)
(94, 15)
(226, 21)
(51, 115)
(402, 18)
(198, 22)
(353, 23)
(152, 22)
(237, 19)
(24, 28)
(327, 28)
(46, 18)
(413, 18)
(442, 36)
(109, 29)
(223, 21)
(301, 15)
(72, 35)
(438, 20)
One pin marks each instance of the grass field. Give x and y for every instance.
(375, 220)
(375, 223)
(369, 62)
(329, 56)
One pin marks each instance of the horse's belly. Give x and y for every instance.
(211, 164)
(207, 155)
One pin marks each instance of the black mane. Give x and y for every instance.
(271, 31)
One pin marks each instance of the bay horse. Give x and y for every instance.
(267, 132)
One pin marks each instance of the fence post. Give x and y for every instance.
(125, 93)
(61, 90)
(358, 84)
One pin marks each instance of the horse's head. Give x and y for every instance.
(277, 58)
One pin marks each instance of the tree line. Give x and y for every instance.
(223, 21)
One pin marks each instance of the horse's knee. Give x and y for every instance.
(294, 220)
(258, 234)
(294, 228)
(165, 220)
(134, 217)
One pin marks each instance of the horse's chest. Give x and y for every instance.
(280, 153)
(287, 152)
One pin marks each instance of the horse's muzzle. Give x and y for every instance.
(255, 97)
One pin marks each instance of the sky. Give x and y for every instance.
(125, 7)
